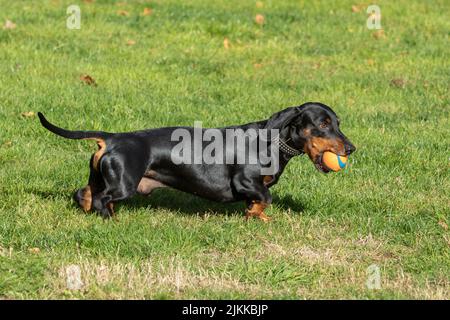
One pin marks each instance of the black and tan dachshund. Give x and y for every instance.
(140, 161)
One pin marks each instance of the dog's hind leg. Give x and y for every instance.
(119, 182)
(147, 185)
(83, 196)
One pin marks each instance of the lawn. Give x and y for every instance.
(215, 62)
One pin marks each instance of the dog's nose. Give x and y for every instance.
(349, 148)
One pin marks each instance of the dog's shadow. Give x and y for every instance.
(184, 203)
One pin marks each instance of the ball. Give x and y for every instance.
(333, 161)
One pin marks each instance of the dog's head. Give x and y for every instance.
(312, 128)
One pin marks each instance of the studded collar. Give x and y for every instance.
(285, 148)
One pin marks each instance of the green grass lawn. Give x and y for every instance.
(391, 208)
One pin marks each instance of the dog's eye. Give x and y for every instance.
(323, 125)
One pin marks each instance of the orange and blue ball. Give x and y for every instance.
(333, 161)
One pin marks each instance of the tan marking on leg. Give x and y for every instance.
(86, 201)
(101, 150)
(147, 185)
(110, 207)
(257, 210)
(99, 153)
(152, 174)
(267, 180)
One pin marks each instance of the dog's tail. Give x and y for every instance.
(98, 136)
(94, 135)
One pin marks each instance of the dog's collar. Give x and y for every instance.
(284, 147)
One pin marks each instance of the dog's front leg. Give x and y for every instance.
(256, 209)
(251, 185)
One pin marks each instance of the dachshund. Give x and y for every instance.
(140, 161)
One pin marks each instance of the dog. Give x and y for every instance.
(138, 162)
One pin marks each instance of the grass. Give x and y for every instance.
(391, 208)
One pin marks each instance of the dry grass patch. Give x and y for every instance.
(148, 279)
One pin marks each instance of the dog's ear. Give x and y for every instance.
(281, 119)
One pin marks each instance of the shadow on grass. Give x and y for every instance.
(173, 200)
(184, 203)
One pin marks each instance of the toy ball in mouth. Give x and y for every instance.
(333, 161)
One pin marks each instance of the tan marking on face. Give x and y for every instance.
(306, 132)
(86, 199)
(317, 145)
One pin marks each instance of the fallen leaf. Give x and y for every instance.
(89, 1)
(7, 144)
(259, 19)
(34, 250)
(28, 114)
(356, 8)
(379, 34)
(147, 12)
(123, 13)
(370, 62)
(398, 82)
(9, 25)
(443, 224)
(87, 79)
(131, 42)
(257, 65)
(226, 43)
(259, 4)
